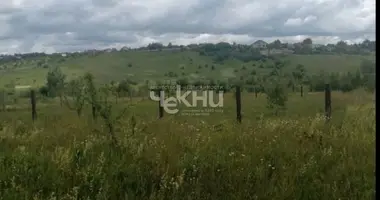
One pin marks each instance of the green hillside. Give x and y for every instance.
(159, 65)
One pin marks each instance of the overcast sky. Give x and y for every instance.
(74, 25)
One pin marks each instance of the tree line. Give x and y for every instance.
(224, 50)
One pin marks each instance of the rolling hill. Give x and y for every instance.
(160, 65)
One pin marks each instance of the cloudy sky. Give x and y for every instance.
(74, 25)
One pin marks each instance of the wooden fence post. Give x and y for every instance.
(327, 102)
(33, 102)
(374, 97)
(160, 107)
(2, 100)
(238, 104)
(94, 111)
(301, 90)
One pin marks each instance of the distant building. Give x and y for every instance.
(20, 87)
(259, 44)
(315, 46)
(290, 46)
(124, 48)
(330, 47)
(109, 50)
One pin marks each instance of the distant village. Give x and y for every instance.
(286, 48)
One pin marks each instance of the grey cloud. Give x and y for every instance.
(32, 26)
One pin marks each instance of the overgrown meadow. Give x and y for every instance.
(295, 155)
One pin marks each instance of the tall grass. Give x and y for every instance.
(297, 156)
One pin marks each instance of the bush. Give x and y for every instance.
(44, 91)
(276, 96)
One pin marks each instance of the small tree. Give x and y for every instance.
(76, 90)
(276, 96)
(55, 83)
(123, 88)
(91, 93)
(299, 75)
(105, 109)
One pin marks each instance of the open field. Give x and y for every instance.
(142, 66)
(291, 156)
(81, 147)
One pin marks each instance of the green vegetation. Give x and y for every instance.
(293, 155)
(195, 62)
(98, 137)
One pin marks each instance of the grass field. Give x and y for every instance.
(292, 156)
(154, 65)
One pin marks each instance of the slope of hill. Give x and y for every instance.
(158, 65)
